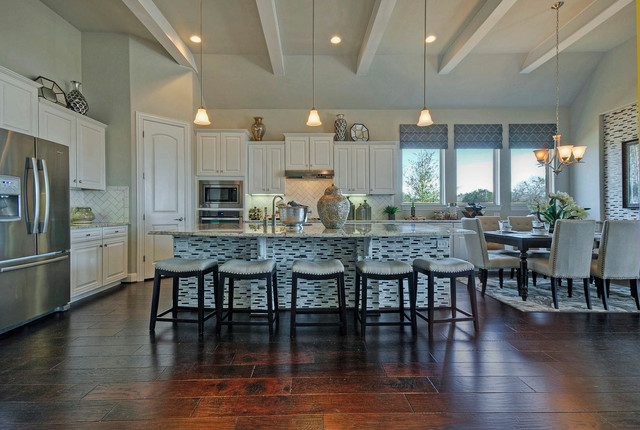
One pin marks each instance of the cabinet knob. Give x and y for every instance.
(74, 180)
(178, 219)
(100, 246)
(105, 245)
(80, 181)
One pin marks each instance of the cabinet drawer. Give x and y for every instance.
(85, 234)
(120, 230)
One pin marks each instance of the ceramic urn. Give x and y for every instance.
(333, 208)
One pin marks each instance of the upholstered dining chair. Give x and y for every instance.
(570, 256)
(491, 223)
(479, 256)
(618, 258)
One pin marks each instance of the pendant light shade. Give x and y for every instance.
(425, 116)
(314, 118)
(201, 116)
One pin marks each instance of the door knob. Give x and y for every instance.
(178, 219)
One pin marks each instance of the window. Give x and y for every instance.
(421, 176)
(475, 175)
(528, 182)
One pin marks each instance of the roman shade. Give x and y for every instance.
(435, 136)
(477, 136)
(531, 136)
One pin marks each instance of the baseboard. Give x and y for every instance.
(131, 278)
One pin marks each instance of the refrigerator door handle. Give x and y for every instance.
(42, 227)
(37, 263)
(32, 164)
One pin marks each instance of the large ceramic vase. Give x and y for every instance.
(333, 208)
(76, 100)
(258, 128)
(340, 125)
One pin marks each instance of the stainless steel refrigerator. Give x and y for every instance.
(34, 228)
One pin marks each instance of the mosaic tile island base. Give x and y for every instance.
(357, 241)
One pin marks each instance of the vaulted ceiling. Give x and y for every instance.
(493, 53)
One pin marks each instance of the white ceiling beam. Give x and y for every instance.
(151, 17)
(479, 26)
(378, 21)
(271, 30)
(585, 22)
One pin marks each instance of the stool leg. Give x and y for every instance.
(200, 303)
(176, 286)
(501, 277)
(342, 304)
(270, 318)
(230, 304)
(401, 298)
(294, 300)
(219, 304)
(472, 297)
(412, 304)
(452, 291)
(363, 316)
(276, 306)
(431, 304)
(154, 300)
(357, 305)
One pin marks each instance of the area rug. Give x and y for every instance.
(539, 298)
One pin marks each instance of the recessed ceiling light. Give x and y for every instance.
(430, 38)
(336, 39)
(195, 39)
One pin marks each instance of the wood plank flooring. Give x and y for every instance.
(97, 366)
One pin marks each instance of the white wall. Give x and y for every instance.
(612, 85)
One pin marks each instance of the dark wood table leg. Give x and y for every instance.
(524, 287)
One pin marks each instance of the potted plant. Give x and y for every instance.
(560, 206)
(391, 212)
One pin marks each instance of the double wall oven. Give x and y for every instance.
(220, 202)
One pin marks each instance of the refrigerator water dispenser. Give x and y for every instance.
(10, 203)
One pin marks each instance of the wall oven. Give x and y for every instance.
(220, 195)
(220, 217)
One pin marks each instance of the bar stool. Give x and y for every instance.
(385, 270)
(177, 268)
(241, 269)
(451, 268)
(314, 270)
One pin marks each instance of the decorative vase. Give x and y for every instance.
(82, 215)
(258, 128)
(391, 217)
(76, 100)
(333, 208)
(340, 125)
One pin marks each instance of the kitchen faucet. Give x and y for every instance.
(273, 210)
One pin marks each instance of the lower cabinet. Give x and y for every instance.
(98, 259)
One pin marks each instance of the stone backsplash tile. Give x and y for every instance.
(110, 205)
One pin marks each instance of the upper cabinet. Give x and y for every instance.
(221, 153)
(309, 151)
(266, 168)
(85, 138)
(382, 168)
(351, 166)
(18, 103)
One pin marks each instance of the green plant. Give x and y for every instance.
(560, 206)
(390, 209)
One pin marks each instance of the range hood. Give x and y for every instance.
(308, 174)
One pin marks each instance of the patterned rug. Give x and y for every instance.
(540, 300)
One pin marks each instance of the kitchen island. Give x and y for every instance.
(355, 241)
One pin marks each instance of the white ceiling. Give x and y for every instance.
(489, 75)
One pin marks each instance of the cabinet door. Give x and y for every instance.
(56, 124)
(342, 167)
(382, 169)
(257, 169)
(359, 175)
(90, 154)
(297, 153)
(18, 106)
(208, 155)
(275, 169)
(232, 154)
(114, 260)
(86, 267)
(321, 153)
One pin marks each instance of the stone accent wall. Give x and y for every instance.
(619, 126)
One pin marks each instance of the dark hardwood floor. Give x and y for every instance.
(97, 366)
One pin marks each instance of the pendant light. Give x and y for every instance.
(561, 155)
(201, 116)
(314, 118)
(425, 116)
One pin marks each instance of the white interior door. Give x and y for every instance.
(165, 188)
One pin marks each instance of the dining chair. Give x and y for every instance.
(481, 258)
(491, 223)
(618, 258)
(570, 256)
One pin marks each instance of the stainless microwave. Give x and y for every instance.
(220, 194)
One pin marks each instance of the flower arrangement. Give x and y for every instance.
(560, 206)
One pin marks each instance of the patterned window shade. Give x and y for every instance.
(435, 136)
(477, 136)
(531, 136)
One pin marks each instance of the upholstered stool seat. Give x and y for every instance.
(451, 268)
(318, 270)
(177, 268)
(385, 270)
(252, 270)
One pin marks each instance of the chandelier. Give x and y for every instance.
(561, 155)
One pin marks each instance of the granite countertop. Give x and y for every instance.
(98, 224)
(360, 229)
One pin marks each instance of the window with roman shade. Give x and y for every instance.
(531, 136)
(421, 149)
(477, 136)
(435, 136)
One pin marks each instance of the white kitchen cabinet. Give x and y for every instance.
(18, 103)
(266, 168)
(221, 153)
(382, 168)
(86, 267)
(309, 151)
(114, 259)
(351, 166)
(56, 124)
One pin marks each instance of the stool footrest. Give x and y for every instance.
(319, 324)
(317, 311)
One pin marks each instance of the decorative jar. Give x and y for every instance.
(76, 100)
(258, 128)
(340, 126)
(82, 215)
(333, 208)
